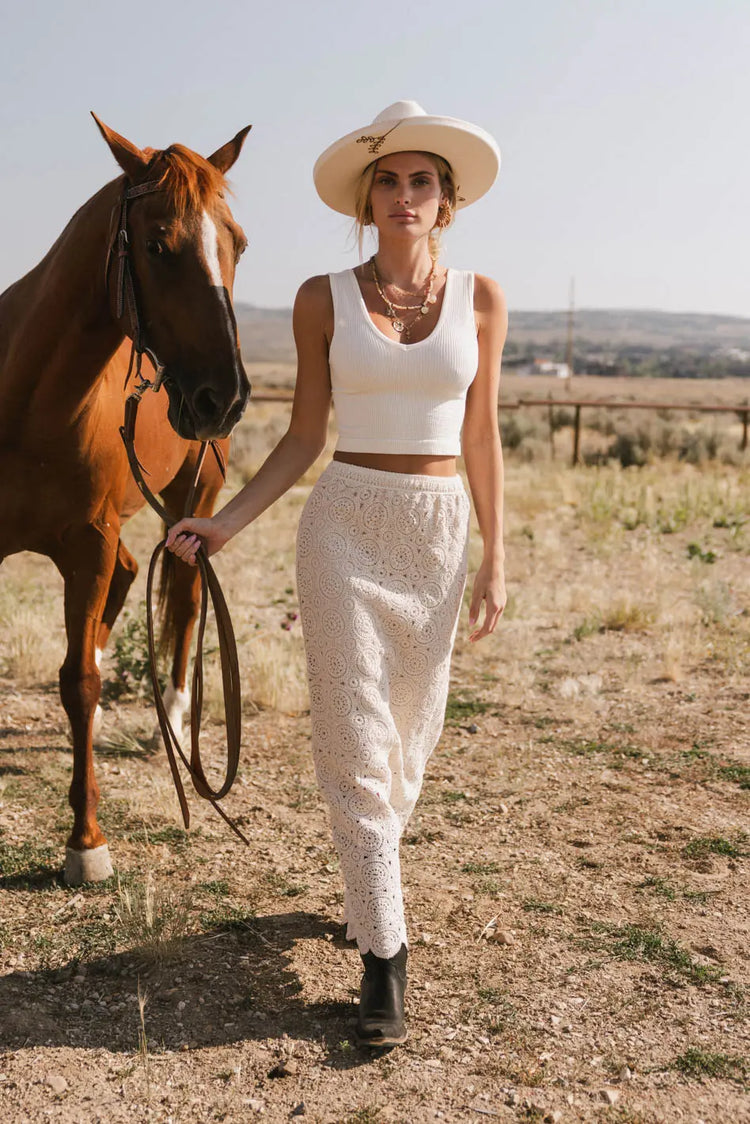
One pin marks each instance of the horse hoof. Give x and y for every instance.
(87, 866)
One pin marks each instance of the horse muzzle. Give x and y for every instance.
(204, 413)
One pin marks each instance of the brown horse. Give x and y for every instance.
(64, 354)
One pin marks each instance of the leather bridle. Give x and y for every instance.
(125, 296)
(126, 302)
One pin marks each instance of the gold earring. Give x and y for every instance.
(444, 216)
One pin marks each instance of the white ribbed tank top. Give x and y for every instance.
(392, 397)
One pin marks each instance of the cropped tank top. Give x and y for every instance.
(391, 397)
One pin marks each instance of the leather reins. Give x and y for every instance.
(126, 302)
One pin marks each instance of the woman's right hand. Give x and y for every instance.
(188, 535)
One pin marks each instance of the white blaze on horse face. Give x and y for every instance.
(210, 242)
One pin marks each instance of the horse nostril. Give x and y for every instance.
(207, 404)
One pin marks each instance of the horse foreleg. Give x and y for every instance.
(123, 576)
(87, 565)
(180, 584)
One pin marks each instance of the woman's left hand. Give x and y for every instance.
(489, 587)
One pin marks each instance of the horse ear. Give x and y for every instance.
(130, 158)
(225, 156)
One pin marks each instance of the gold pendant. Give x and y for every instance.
(399, 326)
(424, 309)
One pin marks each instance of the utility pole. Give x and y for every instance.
(569, 348)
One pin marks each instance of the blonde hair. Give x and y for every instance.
(363, 216)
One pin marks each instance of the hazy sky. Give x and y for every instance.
(623, 128)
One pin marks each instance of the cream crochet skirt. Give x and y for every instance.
(381, 568)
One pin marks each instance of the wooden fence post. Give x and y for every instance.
(745, 414)
(577, 437)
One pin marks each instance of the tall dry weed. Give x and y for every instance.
(627, 614)
(716, 602)
(152, 918)
(674, 662)
(276, 673)
(31, 652)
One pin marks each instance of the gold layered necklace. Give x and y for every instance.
(426, 300)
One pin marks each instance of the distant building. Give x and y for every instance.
(545, 367)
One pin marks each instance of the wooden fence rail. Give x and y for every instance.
(742, 411)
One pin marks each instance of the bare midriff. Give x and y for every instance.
(409, 464)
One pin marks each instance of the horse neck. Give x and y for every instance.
(62, 332)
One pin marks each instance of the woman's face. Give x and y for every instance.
(405, 195)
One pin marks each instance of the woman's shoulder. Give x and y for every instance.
(314, 294)
(488, 296)
(316, 285)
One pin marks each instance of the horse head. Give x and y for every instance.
(183, 246)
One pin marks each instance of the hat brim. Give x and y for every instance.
(471, 152)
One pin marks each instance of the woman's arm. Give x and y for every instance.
(300, 446)
(483, 455)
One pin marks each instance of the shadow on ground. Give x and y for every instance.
(236, 982)
(37, 876)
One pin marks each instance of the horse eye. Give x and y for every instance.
(155, 247)
(239, 252)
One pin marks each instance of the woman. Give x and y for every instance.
(410, 353)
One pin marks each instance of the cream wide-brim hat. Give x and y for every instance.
(405, 127)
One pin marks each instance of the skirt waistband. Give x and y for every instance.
(392, 481)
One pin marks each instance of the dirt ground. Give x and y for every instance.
(575, 873)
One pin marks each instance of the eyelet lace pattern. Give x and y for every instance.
(381, 568)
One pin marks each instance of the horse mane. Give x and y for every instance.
(188, 180)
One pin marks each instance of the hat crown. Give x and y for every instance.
(399, 110)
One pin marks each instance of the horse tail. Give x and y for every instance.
(167, 619)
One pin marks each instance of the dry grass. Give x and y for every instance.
(26, 654)
(263, 427)
(152, 918)
(276, 672)
(33, 644)
(626, 436)
(143, 1053)
(681, 650)
(152, 801)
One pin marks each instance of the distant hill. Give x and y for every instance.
(266, 334)
(634, 328)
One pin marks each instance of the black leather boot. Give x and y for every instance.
(380, 1021)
